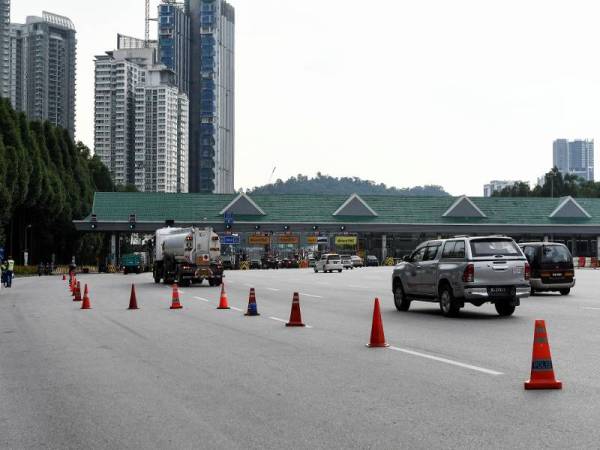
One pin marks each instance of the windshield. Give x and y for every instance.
(554, 254)
(494, 247)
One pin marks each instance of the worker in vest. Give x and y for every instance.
(10, 271)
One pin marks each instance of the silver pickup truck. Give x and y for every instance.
(461, 270)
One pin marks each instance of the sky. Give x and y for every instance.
(454, 93)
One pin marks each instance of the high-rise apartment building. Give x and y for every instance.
(42, 69)
(5, 65)
(574, 157)
(141, 120)
(212, 114)
(174, 42)
(498, 185)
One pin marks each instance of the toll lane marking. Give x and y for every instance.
(285, 321)
(446, 361)
(310, 295)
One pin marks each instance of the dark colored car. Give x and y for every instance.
(551, 267)
(270, 262)
(371, 261)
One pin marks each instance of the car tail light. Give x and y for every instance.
(527, 274)
(469, 274)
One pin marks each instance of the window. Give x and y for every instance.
(459, 250)
(494, 247)
(418, 255)
(554, 254)
(529, 253)
(448, 249)
(431, 252)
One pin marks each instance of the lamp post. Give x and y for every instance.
(26, 252)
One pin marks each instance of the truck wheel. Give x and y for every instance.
(565, 291)
(504, 309)
(156, 279)
(448, 304)
(340, 270)
(316, 271)
(400, 300)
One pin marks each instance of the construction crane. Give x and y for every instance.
(148, 20)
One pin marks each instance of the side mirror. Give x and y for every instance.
(406, 258)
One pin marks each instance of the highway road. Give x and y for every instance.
(206, 378)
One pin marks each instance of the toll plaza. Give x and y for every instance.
(388, 227)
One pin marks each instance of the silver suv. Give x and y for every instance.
(463, 270)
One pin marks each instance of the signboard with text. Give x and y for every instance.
(312, 240)
(346, 240)
(259, 240)
(288, 239)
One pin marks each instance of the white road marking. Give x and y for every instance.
(446, 361)
(273, 289)
(310, 295)
(203, 299)
(589, 307)
(236, 309)
(248, 285)
(285, 321)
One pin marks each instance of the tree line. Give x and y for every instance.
(46, 181)
(555, 184)
(325, 184)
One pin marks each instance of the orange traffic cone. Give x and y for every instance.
(86, 299)
(77, 292)
(377, 336)
(175, 298)
(542, 372)
(133, 298)
(252, 309)
(72, 286)
(295, 315)
(223, 303)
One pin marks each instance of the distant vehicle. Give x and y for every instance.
(357, 261)
(187, 255)
(456, 271)
(551, 267)
(132, 262)
(311, 261)
(329, 262)
(256, 263)
(347, 262)
(270, 262)
(372, 261)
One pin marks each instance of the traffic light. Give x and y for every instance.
(132, 220)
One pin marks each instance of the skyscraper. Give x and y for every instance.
(574, 157)
(141, 120)
(174, 42)
(5, 48)
(42, 69)
(212, 115)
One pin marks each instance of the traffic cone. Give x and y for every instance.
(223, 303)
(175, 298)
(542, 372)
(377, 336)
(86, 299)
(72, 286)
(64, 277)
(252, 309)
(77, 292)
(295, 315)
(133, 298)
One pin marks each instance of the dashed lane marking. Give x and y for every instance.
(590, 307)
(310, 295)
(203, 299)
(285, 321)
(236, 309)
(273, 289)
(446, 361)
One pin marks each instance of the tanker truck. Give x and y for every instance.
(187, 255)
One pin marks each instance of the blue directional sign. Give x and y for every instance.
(230, 239)
(228, 217)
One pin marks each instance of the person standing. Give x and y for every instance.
(10, 271)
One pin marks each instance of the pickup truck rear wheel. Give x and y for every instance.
(504, 309)
(448, 304)
(400, 300)
(565, 291)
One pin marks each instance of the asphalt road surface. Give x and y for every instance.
(206, 378)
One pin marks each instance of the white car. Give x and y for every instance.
(329, 262)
